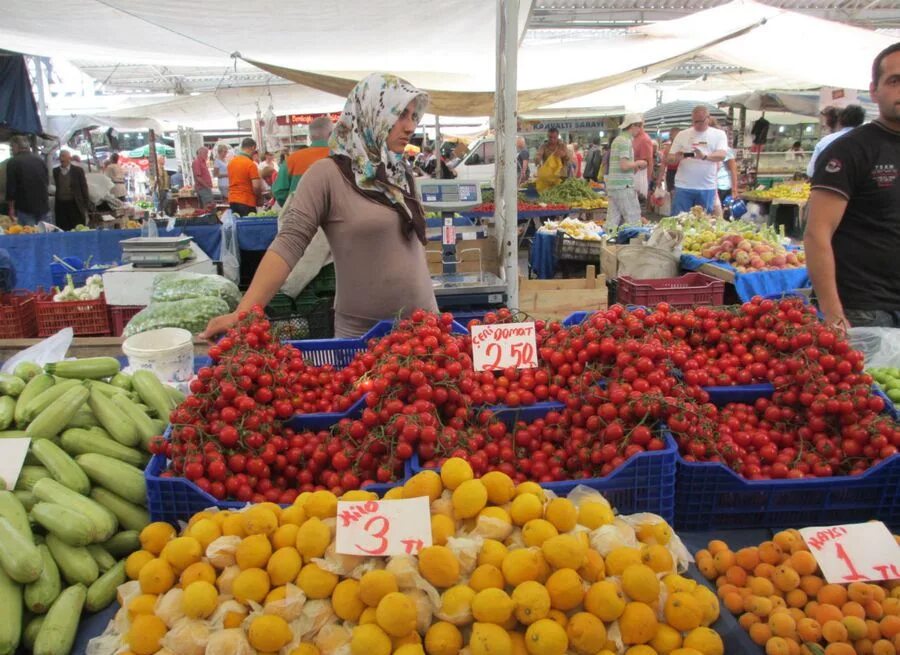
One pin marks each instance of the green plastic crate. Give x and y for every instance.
(323, 284)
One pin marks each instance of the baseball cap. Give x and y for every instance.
(631, 119)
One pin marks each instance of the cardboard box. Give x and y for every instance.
(556, 299)
(469, 252)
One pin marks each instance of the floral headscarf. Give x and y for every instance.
(361, 133)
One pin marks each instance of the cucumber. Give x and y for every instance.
(65, 523)
(103, 591)
(104, 521)
(63, 468)
(131, 516)
(89, 368)
(35, 387)
(29, 477)
(121, 380)
(31, 631)
(111, 474)
(7, 411)
(27, 370)
(11, 625)
(12, 510)
(53, 420)
(104, 560)
(57, 633)
(78, 442)
(46, 398)
(123, 543)
(40, 594)
(118, 423)
(75, 563)
(11, 385)
(19, 557)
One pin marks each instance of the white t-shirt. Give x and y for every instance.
(695, 173)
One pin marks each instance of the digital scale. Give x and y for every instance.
(156, 252)
(453, 289)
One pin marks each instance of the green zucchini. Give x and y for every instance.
(7, 411)
(122, 544)
(104, 521)
(112, 474)
(57, 633)
(159, 426)
(84, 418)
(78, 442)
(40, 594)
(46, 398)
(11, 385)
(103, 591)
(89, 368)
(53, 420)
(153, 393)
(11, 625)
(35, 387)
(176, 396)
(12, 510)
(130, 515)
(121, 380)
(27, 499)
(65, 523)
(75, 563)
(104, 560)
(119, 424)
(19, 557)
(13, 434)
(99, 432)
(31, 631)
(145, 428)
(27, 370)
(63, 468)
(29, 477)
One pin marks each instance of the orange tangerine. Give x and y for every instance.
(761, 586)
(782, 624)
(796, 598)
(724, 559)
(832, 594)
(770, 553)
(747, 558)
(833, 631)
(748, 619)
(760, 633)
(826, 612)
(852, 608)
(764, 570)
(809, 630)
(777, 646)
(803, 562)
(736, 575)
(716, 545)
(811, 584)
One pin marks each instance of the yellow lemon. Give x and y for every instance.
(621, 558)
(641, 649)
(682, 611)
(233, 526)
(594, 568)
(532, 602)
(518, 643)
(486, 576)
(469, 498)
(367, 616)
(586, 633)
(593, 513)
(253, 552)
(369, 639)
(639, 582)
(396, 614)
(394, 493)
(658, 558)
(345, 600)
(136, 561)
(666, 640)
(285, 536)
(439, 566)
(259, 520)
(442, 528)
(536, 531)
(638, 623)
(155, 536)
(293, 515)
(456, 605)
(182, 552)
(565, 589)
(269, 633)
(205, 531)
(424, 483)
(316, 582)
(305, 649)
(359, 495)
(605, 600)
(443, 638)
(526, 507)
(197, 571)
(564, 551)
(321, 504)
(489, 639)
(284, 565)
(313, 538)
(199, 600)
(522, 564)
(375, 585)
(492, 606)
(251, 584)
(492, 552)
(142, 604)
(559, 617)
(562, 514)
(675, 582)
(455, 471)
(500, 487)
(705, 640)
(410, 649)
(662, 533)
(546, 637)
(145, 634)
(709, 602)
(532, 488)
(278, 593)
(156, 577)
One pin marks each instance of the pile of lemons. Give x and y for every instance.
(512, 571)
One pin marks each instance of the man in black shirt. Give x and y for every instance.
(853, 236)
(26, 184)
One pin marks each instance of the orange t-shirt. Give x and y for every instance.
(300, 161)
(241, 172)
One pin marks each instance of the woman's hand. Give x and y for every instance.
(219, 325)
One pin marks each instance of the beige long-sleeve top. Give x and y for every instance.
(380, 272)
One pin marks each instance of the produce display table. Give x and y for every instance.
(32, 253)
(747, 285)
(525, 216)
(542, 257)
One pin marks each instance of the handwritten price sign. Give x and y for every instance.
(856, 552)
(378, 528)
(500, 346)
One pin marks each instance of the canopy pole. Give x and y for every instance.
(506, 190)
(438, 169)
(153, 169)
(39, 82)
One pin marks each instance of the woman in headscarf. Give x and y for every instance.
(364, 200)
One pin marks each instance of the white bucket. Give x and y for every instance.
(168, 352)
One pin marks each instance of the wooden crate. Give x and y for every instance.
(556, 299)
(465, 252)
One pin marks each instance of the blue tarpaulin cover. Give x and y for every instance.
(18, 110)
(762, 283)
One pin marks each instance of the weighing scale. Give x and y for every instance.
(452, 289)
(156, 252)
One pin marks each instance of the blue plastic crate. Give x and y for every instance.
(337, 352)
(383, 328)
(58, 272)
(575, 318)
(463, 318)
(747, 393)
(324, 421)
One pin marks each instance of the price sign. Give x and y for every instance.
(505, 345)
(12, 456)
(383, 527)
(855, 552)
(449, 233)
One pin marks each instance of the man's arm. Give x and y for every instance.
(826, 209)
(257, 189)
(733, 171)
(632, 164)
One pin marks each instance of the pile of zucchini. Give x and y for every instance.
(80, 501)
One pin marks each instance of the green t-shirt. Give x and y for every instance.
(620, 149)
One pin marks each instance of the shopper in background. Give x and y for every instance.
(300, 161)
(726, 181)
(643, 151)
(27, 181)
(163, 184)
(116, 173)
(850, 117)
(365, 202)
(552, 159)
(624, 206)
(828, 119)
(522, 158)
(795, 152)
(244, 184)
(593, 160)
(579, 160)
(202, 177)
(220, 169)
(853, 235)
(697, 151)
(71, 201)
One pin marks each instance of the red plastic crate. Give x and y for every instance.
(684, 291)
(85, 317)
(119, 315)
(18, 319)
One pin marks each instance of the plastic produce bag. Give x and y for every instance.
(646, 262)
(231, 262)
(50, 350)
(182, 286)
(880, 345)
(192, 314)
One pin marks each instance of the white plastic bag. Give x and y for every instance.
(50, 350)
(668, 240)
(646, 262)
(880, 345)
(231, 263)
